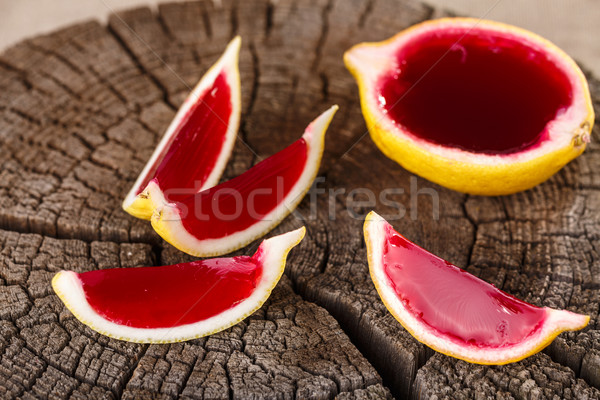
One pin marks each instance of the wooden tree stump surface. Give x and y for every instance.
(81, 110)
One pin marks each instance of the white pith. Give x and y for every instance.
(167, 221)
(272, 254)
(556, 321)
(375, 60)
(228, 63)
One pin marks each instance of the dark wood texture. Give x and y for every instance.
(81, 110)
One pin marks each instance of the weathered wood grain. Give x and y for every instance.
(80, 112)
(537, 377)
(289, 348)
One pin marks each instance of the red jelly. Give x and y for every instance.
(174, 295)
(241, 202)
(475, 90)
(453, 301)
(196, 145)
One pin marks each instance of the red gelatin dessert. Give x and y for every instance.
(176, 302)
(194, 150)
(452, 311)
(231, 215)
(476, 106)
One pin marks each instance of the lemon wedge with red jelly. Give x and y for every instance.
(232, 214)
(176, 302)
(452, 311)
(194, 150)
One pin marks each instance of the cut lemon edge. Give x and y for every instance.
(273, 254)
(556, 321)
(466, 172)
(142, 205)
(166, 220)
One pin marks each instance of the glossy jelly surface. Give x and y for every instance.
(174, 295)
(246, 199)
(196, 145)
(454, 302)
(475, 90)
